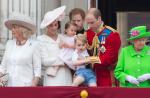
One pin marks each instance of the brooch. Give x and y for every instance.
(102, 49)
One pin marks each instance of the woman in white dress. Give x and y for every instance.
(21, 58)
(56, 73)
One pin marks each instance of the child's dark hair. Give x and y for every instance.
(68, 24)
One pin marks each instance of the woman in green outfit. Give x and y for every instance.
(133, 67)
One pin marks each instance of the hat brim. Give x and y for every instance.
(46, 23)
(147, 34)
(9, 24)
(55, 14)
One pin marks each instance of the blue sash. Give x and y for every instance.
(105, 33)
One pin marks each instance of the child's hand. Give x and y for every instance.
(87, 60)
(64, 45)
(61, 44)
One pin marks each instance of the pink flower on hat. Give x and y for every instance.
(135, 33)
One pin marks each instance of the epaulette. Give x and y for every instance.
(110, 28)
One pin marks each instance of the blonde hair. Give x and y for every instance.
(81, 37)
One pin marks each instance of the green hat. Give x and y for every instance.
(138, 32)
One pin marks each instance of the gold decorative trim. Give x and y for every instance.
(110, 28)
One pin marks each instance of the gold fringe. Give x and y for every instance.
(95, 45)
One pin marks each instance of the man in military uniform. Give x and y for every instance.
(104, 42)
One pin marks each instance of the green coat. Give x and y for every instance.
(134, 64)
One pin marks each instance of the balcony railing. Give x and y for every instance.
(73, 92)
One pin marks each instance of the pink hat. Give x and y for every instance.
(51, 16)
(21, 20)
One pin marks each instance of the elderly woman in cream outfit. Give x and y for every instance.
(21, 58)
(56, 73)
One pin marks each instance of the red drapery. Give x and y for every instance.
(73, 92)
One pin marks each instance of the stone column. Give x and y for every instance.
(122, 27)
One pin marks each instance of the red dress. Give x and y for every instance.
(109, 44)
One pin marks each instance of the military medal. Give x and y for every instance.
(103, 40)
(102, 49)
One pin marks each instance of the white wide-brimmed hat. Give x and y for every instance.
(21, 20)
(51, 16)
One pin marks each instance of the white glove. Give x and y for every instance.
(143, 77)
(132, 79)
